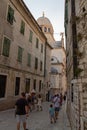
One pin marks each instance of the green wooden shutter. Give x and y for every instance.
(10, 16)
(31, 36)
(22, 29)
(6, 47)
(37, 42)
(29, 59)
(20, 51)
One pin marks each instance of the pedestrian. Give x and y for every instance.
(39, 103)
(56, 102)
(21, 106)
(52, 114)
(29, 101)
(32, 100)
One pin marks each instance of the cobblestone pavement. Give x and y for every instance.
(37, 120)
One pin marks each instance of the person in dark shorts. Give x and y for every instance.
(56, 105)
(21, 111)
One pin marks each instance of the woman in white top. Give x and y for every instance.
(39, 103)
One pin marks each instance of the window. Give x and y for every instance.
(48, 29)
(42, 48)
(29, 59)
(31, 36)
(6, 47)
(45, 29)
(20, 51)
(40, 65)
(3, 79)
(34, 84)
(37, 42)
(36, 63)
(27, 87)
(22, 29)
(10, 15)
(40, 86)
(17, 86)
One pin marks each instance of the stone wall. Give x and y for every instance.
(79, 104)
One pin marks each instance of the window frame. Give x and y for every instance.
(37, 43)
(34, 84)
(41, 48)
(29, 59)
(5, 47)
(17, 88)
(36, 63)
(31, 36)
(10, 17)
(41, 65)
(20, 50)
(22, 27)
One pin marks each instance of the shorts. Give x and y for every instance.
(21, 118)
(56, 108)
(52, 115)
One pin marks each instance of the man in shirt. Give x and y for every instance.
(56, 101)
(21, 111)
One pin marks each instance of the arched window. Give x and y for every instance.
(48, 29)
(45, 29)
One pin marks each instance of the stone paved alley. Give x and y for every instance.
(37, 120)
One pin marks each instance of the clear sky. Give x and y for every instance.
(53, 10)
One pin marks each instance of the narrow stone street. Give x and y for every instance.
(37, 120)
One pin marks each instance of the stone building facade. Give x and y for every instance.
(76, 39)
(58, 61)
(47, 29)
(57, 54)
(22, 52)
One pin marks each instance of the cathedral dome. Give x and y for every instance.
(45, 24)
(44, 21)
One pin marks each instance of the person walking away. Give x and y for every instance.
(29, 100)
(32, 100)
(52, 114)
(21, 106)
(56, 105)
(39, 103)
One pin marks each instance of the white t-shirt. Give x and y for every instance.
(39, 101)
(56, 101)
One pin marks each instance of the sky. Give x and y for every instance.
(53, 10)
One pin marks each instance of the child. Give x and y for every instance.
(52, 114)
